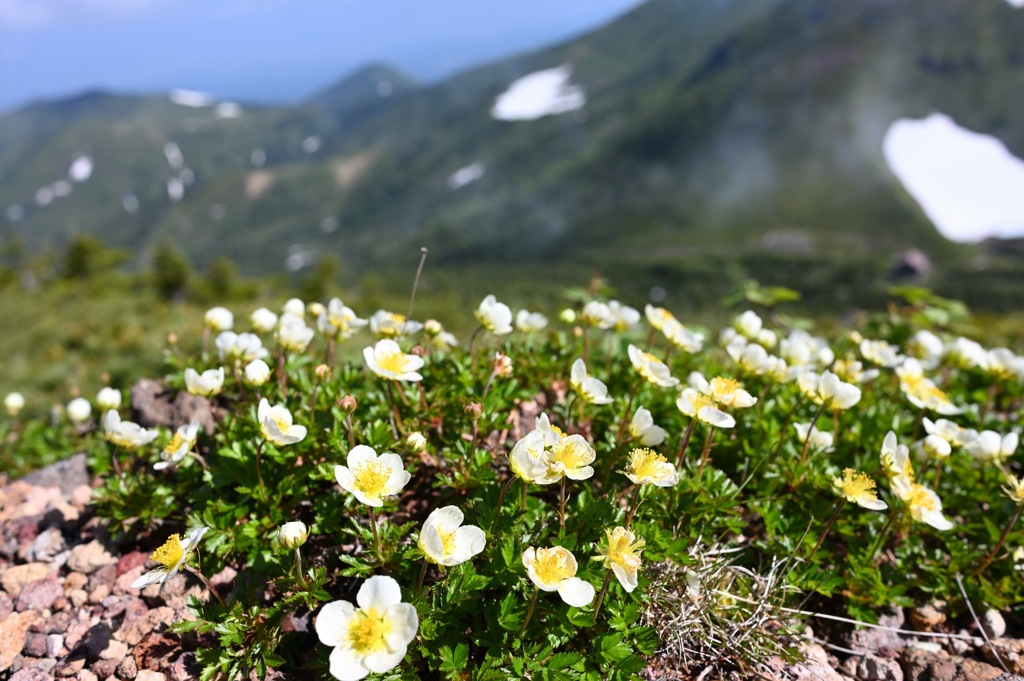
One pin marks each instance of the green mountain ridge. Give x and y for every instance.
(718, 140)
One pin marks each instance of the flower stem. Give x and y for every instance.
(807, 440)
(501, 498)
(396, 424)
(282, 377)
(423, 575)
(376, 535)
(529, 611)
(416, 281)
(705, 454)
(625, 414)
(633, 506)
(685, 442)
(828, 526)
(999, 544)
(259, 471)
(561, 509)
(116, 463)
(298, 567)
(600, 596)
(883, 534)
(206, 583)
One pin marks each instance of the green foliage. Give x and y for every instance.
(751, 531)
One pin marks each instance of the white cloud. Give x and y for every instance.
(968, 184)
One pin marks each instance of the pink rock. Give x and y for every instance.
(13, 631)
(131, 560)
(88, 558)
(39, 595)
(16, 577)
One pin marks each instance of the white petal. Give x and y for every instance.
(332, 622)
(873, 504)
(576, 592)
(347, 666)
(716, 417)
(431, 545)
(344, 477)
(405, 622)
(360, 454)
(469, 541)
(628, 580)
(152, 577)
(379, 591)
(263, 410)
(384, 660)
(448, 517)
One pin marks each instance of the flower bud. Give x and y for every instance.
(568, 315)
(263, 320)
(432, 327)
(79, 410)
(502, 365)
(14, 402)
(108, 398)
(172, 338)
(219, 319)
(292, 535)
(322, 370)
(937, 447)
(417, 350)
(348, 404)
(417, 441)
(257, 372)
(315, 310)
(474, 410)
(295, 306)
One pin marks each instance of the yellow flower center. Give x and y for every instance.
(648, 358)
(175, 444)
(366, 631)
(571, 453)
(724, 386)
(856, 485)
(919, 498)
(622, 551)
(558, 431)
(447, 540)
(371, 477)
(394, 362)
(699, 402)
(553, 565)
(170, 553)
(645, 463)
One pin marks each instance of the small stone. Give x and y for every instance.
(128, 669)
(185, 667)
(928, 616)
(6, 605)
(973, 670)
(47, 545)
(16, 577)
(86, 675)
(30, 674)
(927, 646)
(54, 645)
(815, 665)
(131, 560)
(921, 665)
(123, 585)
(871, 668)
(39, 595)
(1010, 650)
(993, 623)
(35, 645)
(105, 669)
(98, 594)
(155, 650)
(13, 632)
(88, 558)
(78, 597)
(134, 631)
(69, 668)
(75, 580)
(81, 495)
(115, 650)
(150, 675)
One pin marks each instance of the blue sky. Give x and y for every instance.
(263, 50)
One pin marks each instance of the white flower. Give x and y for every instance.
(622, 556)
(243, 347)
(991, 446)
(881, 353)
(256, 372)
(14, 403)
(444, 540)
(681, 337)
(752, 358)
(597, 314)
(445, 341)
(494, 316)
(292, 535)
(527, 458)
(293, 334)
(924, 504)
(125, 433)
(820, 440)
(1004, 364)
(570, 457)
(384, 324)
(171, 556)
(387, 360)
(181, 444)
(623, 317)
(647, 467)
(530, 322)
(802, 349)
(935, 446)
(697, 405)
(295, 307)
(748, 324)
(658, 317)
(370, 477)
(205, 384)
(642, 428)
(949, 431)
(926, 347)
(315, 310)
(339, 322)
(554, 569)
(219, 319)
(108, 398)
(372, 638)
(895, 459)
(728, 392)
(416, 441)
(589, 388)
(651, 368)
(858, 488)
(79, 410)
(853, 371)
(966, 353)
(263, 320)
(276, 424)
(922, 391)
(828, 391)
